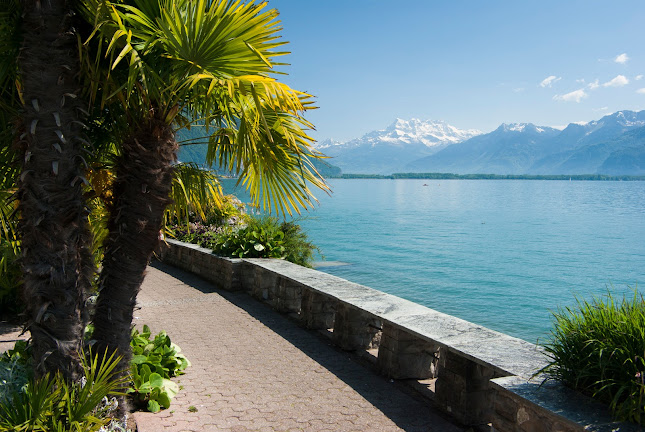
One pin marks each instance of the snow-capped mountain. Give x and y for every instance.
(509, 149)
(613, 145)
(388, 150)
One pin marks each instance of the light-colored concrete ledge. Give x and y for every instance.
(483, 377)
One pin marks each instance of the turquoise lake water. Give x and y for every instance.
(500, 253)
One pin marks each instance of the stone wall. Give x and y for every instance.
(224, 273)
(483, 378)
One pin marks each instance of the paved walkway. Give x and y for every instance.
(255, 370)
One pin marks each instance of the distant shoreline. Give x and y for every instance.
(448, 176)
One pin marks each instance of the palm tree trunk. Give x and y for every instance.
(56, 257)
(141, 191)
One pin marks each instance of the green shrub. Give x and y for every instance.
(298, 248)
(50, 404)
(154, 362)
(598, 348)
(262, 237)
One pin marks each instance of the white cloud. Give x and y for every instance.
(638, 77)
(548, 81)
(601, 109)
(518, 90)
(622, 58)
(618, 81)
(574, 96)
(641, 91)
(593, 85)
(580, 81)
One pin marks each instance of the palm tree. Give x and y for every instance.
(190, 62)
(204, 62)
(56, 262)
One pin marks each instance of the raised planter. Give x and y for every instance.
(483, 377)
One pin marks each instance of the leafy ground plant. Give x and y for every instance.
(154, 362)
(598, 348)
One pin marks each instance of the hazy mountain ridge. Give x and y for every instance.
(611, 145)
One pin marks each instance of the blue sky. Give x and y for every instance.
(474, 64)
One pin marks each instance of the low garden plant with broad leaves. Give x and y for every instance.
(154, 362)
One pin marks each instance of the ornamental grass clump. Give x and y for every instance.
(598, 348)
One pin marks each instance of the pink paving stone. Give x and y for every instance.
(263, 372)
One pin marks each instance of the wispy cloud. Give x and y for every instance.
(593, 85)
(518, 90)
(574, 96)
(601, 109)
(618, 81)
(638, 77)
(640, 91)
(549, 81)
(621, 58)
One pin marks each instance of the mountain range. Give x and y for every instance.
(393, 148)
(614, 145)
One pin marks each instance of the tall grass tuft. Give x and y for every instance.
(598, 348)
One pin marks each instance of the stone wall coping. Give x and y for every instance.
(201, 249)
(505, 354)
(568, 404)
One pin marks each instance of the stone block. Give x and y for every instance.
(247, 276)
(264, 283)
(505, 407)
(317, 311)
(286, 296)
(402, 355)
(463, 389)
(354, 329)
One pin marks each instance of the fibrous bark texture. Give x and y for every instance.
(56, 261)
(141, 190)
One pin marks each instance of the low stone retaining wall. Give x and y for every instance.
(483, 377)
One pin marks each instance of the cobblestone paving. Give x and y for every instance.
(254, 370)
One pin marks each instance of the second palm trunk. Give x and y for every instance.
(141, 193)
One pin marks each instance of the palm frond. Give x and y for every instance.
(194, 190)
(275, 164)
